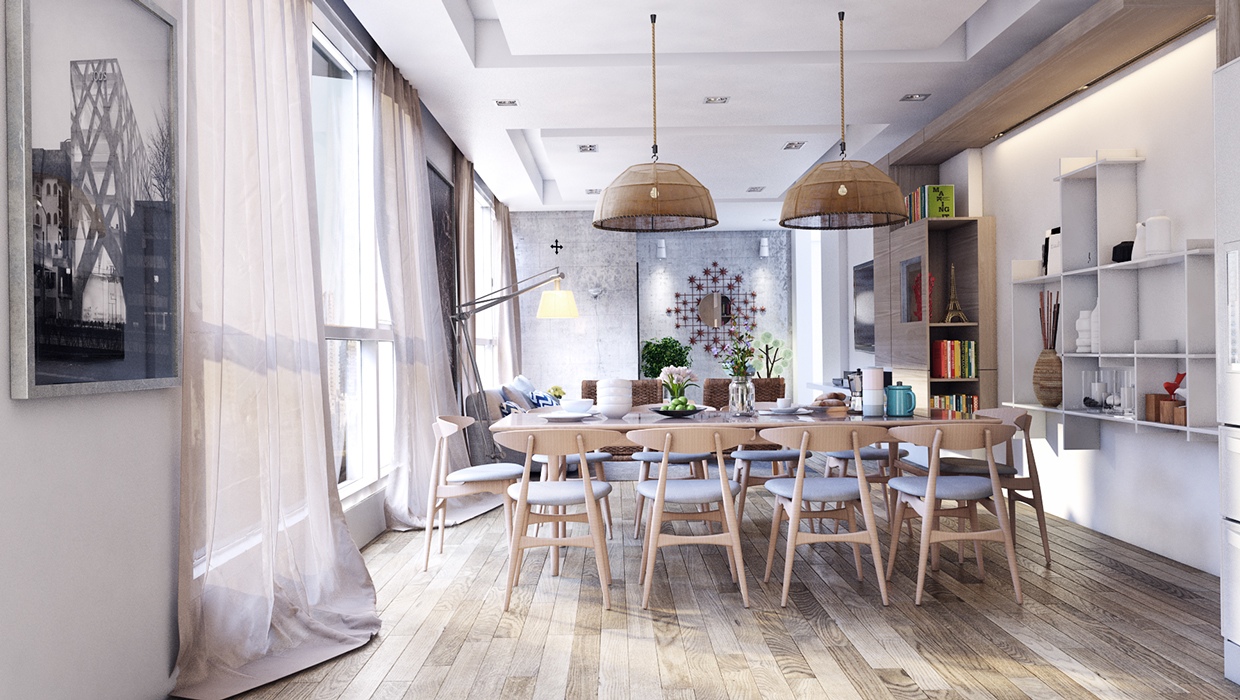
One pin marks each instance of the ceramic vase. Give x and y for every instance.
(615, 397)
(1048, 379)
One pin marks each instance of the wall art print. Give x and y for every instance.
(735, 302)
(92, 114)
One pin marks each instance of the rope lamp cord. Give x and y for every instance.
(843, 148)
(654, 99)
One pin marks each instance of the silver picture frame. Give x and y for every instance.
(94, 183)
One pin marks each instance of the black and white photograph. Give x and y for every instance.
(863, 306)
(100, 236)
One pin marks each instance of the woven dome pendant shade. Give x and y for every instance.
(869, 198)
(655, 197)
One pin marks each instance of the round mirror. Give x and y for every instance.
(715, 310)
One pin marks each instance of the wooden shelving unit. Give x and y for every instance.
(1165, 299)
(909, 315)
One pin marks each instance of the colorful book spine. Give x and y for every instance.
(953, 359)
(931, 201)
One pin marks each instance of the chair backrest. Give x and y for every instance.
(715, 392)
(645, 391)
(704, 438)
(826, 438)
(444, 428)
(556, 442)
(768, 388)
(1021, 419)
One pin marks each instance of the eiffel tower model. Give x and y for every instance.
(955, 314)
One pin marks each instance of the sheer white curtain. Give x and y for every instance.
(407, 254)
(510, 313)
(270, 582)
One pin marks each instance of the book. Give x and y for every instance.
(931, 202)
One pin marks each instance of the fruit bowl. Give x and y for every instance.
(679, 413)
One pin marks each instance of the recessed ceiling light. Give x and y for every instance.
(793, 145)
(594, 190)
(915, 97)
(587, 148)
(717, 100)
(770, 219)
(998, 135)
(756, 189)
(505, 103)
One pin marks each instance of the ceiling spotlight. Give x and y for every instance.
(594, 190)
(505, 103)
(915, 97)
(587, 148)
(756, 189)
(716, 100)
(793, 145)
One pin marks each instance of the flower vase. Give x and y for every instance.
(1048, 379)
(741, 396)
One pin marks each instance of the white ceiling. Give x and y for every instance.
(580, 70)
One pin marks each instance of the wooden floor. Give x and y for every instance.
(1109, 620)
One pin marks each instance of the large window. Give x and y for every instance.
(360, 360)
(487, 278)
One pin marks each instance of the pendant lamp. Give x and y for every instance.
(843, 194)
(655, 196)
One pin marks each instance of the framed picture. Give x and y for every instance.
(94, 302)
(863, 306)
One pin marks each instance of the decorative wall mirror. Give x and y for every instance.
(715, 310)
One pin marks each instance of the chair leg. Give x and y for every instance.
(514, 555)
(790, 550)
(443, 520)
(642, 475)
(1010, 547)
(732, 527)
(935, 549)
(977, 544)
(742, 474)
(923, 554)
(1037, 509)
(430, 531)
(867, 517)
(652, 535)
(901, 506)
(777, 515)
(856, 546)
(595, 519)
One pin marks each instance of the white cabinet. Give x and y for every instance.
(1155, 314)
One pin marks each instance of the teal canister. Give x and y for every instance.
(900, 400)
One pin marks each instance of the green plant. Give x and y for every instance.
(665, 352)
(775, 354)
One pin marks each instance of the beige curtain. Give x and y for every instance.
(270, 582)
(407, 255)
(466, 287)
(510, 313)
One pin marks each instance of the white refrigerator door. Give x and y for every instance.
(1227, 331)
(1230, 582)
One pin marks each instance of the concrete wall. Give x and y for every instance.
(603, 341)
(1155, 490)
(88, 538)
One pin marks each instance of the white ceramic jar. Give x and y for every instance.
(615, 397)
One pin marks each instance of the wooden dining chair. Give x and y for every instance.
(846, 494)
(716, 498)
(924, 496)
(554, 498)
(1012, 482)
(444, 484)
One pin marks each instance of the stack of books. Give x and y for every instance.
(955, 402)
(931, 202)
(953, 359)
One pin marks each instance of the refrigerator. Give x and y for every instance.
(1227, 344)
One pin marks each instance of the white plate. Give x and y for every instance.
(565, 417)
(785, 412)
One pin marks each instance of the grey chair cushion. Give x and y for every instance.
(688, 490)
(972, 467)
(591, 458)
(954, 488)
(486, 472)
(818, 488)
(559, 493)
(674, 458)
(769, 455)
(866, 453)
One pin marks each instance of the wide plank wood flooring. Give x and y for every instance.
(1108, 620)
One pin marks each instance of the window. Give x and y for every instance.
(487, 278)
(360, 354)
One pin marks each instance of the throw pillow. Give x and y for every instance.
(516, 396)
(542, 398)
(508, 408)
(525, 386)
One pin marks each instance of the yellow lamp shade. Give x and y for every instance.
(557, 303)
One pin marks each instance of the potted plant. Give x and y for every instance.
(665, 352)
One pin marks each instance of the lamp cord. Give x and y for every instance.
(843, 147)
(654, 100)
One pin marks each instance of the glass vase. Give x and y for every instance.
(741, 396)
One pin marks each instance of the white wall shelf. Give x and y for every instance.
(1155, 314)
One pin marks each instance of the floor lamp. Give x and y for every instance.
(555, 303)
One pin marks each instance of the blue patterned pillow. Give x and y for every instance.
(508, 408)
(542, 398)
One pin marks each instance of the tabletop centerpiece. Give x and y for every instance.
(737, 360)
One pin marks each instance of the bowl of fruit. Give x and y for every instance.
(680, 407)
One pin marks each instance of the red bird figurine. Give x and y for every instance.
(1172, 387)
